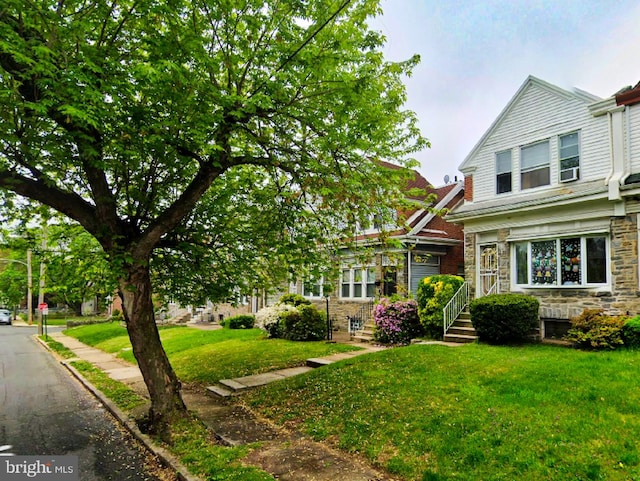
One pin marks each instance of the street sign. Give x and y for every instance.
(44, 307)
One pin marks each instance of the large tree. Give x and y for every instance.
(223, 139)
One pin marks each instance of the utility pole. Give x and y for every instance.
(43, 270)
(29, 289)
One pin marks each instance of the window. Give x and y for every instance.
(358, 283)
(534, 165)
(573, 261)
(503, 172)
(569, 155)
(313, 287)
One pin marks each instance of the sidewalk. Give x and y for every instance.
(287, 456)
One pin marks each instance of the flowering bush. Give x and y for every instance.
(396, 322)
(593, 329)
(268, 318)
(434, 293)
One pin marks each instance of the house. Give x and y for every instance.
(424, 246)
(551, 203)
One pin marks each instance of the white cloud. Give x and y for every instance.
(475, 55)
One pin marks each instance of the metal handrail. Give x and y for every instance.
(455, 306)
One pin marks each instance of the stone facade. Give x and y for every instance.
(562, 303)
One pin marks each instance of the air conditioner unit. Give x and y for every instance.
(569, 175)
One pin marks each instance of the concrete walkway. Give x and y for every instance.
(234, 425)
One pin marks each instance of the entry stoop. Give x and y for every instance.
(462, 331)
(365, 334)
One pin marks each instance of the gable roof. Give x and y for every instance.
(577, 94)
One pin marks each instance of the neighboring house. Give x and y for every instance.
(428, 245)
(552, 200)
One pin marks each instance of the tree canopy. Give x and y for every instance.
(219, 141)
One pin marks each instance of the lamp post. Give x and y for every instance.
(329, 333)
(29, 283)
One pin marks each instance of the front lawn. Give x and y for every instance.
(473, 413)
(208, 356)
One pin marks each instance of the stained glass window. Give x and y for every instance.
(543, 263)
(570, 270)
(573, 261)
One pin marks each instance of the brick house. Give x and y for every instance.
(428, 245)
(552, 203)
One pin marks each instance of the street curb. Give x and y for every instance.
(167, 458)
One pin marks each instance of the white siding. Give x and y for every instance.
(539, 114)
(634, 138)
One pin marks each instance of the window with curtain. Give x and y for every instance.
(534, 165)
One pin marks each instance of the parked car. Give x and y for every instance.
(5, 316)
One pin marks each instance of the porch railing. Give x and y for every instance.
(357, 321)
(455, 306)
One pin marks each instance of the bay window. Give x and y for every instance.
(570, 261)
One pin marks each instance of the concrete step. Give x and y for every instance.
(362, 338)
(220, 391)
(460, 338)
(462, 330)
(463, 323)
(318, 362)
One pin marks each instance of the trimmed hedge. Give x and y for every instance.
(631, 333)
(305, 323)
(504, 318)
(294, 300)
(241, 321)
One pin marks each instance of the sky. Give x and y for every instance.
(475, 55)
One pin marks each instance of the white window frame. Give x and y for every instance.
(318, 285)
(584, 284)
(363, 283)
(573, 172)
(546, 165)
(501, 158)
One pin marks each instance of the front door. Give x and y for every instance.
(488, 269)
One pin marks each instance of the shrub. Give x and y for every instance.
(116, 316)
(294, 300)
(397, 322)
(631, 333)
(593, 329)
(304, 323)
(241, 321)
(433, 295)
(504, 318)
(269, 319)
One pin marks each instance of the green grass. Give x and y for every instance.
(208, 356)
(58, 348)
(192, 441)
(473, 413)
(123, 396)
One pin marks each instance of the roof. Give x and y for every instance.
(628, 95)
(578, 94)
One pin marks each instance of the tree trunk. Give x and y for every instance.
(161, 380)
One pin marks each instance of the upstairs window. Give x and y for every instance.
(569, 154)
(503, 172)
(534, 165)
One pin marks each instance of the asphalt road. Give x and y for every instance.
(45, 411)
